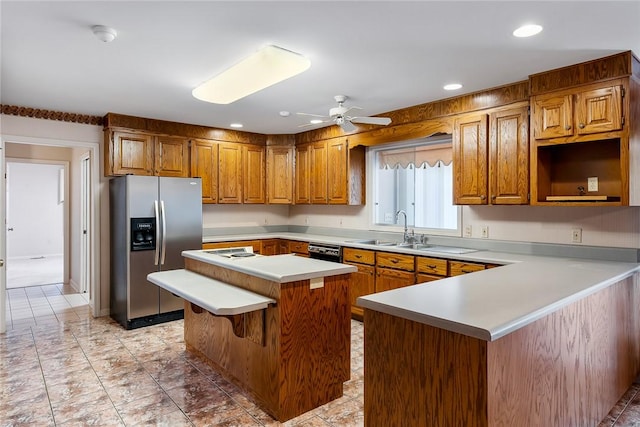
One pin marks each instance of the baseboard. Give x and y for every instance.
(74, 285)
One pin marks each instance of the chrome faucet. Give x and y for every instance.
(405, 235)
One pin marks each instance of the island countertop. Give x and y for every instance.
(276, 268)
(492, 303)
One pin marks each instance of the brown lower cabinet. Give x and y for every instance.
(394, 271)
(363, 281)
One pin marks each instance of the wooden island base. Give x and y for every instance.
(566, 369)
(304, 357)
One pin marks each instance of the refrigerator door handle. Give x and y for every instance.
(164, 232)
(157, 256)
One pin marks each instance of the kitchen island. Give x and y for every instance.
(528, 344)
(286, 338)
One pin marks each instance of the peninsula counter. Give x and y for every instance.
(553, 343)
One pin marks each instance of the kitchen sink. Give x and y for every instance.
(446, 249)
(374, 242)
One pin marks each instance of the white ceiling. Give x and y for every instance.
(385, 55)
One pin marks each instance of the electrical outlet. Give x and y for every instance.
(484, 232)
(576, 235)
(592, 183)
(266, 221)
(467, 231)
(306, 220)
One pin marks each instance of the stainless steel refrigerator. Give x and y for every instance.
(153, 219)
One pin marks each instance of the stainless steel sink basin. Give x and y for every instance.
(446, 249)
(374, 242)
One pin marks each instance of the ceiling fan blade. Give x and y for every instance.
(351, 108)
(314, 124)
(372, 120)
(347, 126)
(312, 115)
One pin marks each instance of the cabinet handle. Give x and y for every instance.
(482, 197)
(567, 127)
(358, 256)
(493, 197)
(581, 125)
(395, 261)
(467, 271)
(432, 266)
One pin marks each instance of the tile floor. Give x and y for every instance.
(70, 369)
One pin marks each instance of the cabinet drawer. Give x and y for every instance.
(255, 244)
(397, 261)
(360, 256)
(457, 268)
(423, 277)
(431, 266)
(299, 247)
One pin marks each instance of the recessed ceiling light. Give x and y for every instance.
(452, 86)
(236, 125)
(527, 30)
(315, 121)
(284, 114)
(266, 67)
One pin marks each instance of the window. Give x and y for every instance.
(415, 177)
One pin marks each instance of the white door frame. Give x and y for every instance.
(94, 232)
(3, 244)
(85, 223)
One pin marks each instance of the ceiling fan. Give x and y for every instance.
(339, 116)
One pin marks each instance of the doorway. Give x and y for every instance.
(80, 148)
(36, 218)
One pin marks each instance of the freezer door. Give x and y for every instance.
(181, 199)
(143, 296)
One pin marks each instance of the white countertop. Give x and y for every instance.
(276, 268)
(490, 303)
(212, 295)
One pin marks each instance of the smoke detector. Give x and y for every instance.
(103, 33)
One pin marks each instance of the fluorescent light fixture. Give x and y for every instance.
(236, 125)
(527, 30)
(266, 67)
(452, 86)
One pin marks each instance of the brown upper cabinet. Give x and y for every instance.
(204, 164)
(302, 174)
(253, 172)
(280, 174)
(470, 153)
(491, 157)
(585, 135)
(577, 112)
(229, 172)
(329, 172)
(142, 153)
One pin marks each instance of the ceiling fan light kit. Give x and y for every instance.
(339, 116)
(104, 33)
(266, 67)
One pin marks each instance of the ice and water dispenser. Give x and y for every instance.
(143, 234)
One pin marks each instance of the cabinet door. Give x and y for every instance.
(283, 247)
(132, 153)
(253, 174)
(599, 110)
(361, 283)
(387, 279)
(279, 175)
(269, 247)
(204, 164)
(229, 173)
(470, 152)
(552, 116)
(423, 277)
(171, 156)
(303, 174)
(457, 268)
(509, 157)
(338, 176)
(319, 173)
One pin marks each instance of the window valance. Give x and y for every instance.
(416, 156)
